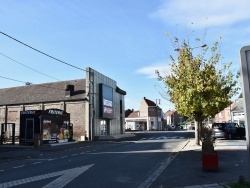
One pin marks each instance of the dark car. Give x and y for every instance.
(240, 130)
(225, 130)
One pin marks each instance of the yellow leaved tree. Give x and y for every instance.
(199, 86)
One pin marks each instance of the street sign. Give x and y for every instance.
(65, 177)
(245, 75)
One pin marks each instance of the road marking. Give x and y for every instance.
(18, 166)
(66, 176)
(162, 138)
(152, 177)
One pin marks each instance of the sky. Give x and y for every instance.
(123, 39)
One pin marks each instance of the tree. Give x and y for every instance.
(199, 87)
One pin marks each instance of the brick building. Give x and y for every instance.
(148, 117)
(95, 104)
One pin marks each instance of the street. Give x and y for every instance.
(148, 160)
(128, 163)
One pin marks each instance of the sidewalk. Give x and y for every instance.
(185, 171)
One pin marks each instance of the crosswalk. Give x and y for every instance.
(162, 138)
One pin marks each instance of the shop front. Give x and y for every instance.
(45, 126)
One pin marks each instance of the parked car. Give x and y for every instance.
(225, 130)
(240, 130)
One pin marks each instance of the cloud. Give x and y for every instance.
(203, 13)
(149, 71)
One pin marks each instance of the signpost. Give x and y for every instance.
(245, 74)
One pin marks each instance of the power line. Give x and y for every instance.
(29, 83)
(13, 79)
(28, 67)
(42, 52)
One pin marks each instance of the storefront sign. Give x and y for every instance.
(28, 112)
(55, 112)
(106, 101)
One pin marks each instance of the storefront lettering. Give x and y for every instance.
(107, 103)
(56, 112)
(28, 112)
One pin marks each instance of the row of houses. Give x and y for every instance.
(151, 117)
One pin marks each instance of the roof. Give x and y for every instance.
(238, 105)
(47, 92)
(149, 102)
(134, 114)
(169, 113)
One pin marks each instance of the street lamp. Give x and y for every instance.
(202, 46)
(158, 101)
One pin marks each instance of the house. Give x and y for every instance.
(148, 117)
(237, 111)
(95, 107)
(224, 115)
(175, 119)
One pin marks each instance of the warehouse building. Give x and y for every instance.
(94, 108)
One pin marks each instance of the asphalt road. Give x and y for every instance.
(127, 163)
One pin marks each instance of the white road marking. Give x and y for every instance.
(163, 138)
(66, 176)
(18, 166)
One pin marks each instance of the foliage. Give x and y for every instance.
(241, 183)
(198, 85)
(207, 140)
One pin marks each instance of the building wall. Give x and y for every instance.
(116, 125)
(143, 109)
(223, 116)
(76, 110)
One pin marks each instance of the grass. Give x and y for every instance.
(244, 184)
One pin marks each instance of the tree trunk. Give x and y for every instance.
(197, 134)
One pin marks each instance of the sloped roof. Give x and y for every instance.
(169, 113)
(238, 105)
(47, 92)
(149, 102)
(134, 114)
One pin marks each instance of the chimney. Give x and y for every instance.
(69, 89)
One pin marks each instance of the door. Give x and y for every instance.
(29, 129)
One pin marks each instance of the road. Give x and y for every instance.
(128, 163)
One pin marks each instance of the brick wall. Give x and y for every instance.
(76, 110)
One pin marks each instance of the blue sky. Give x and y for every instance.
(123, 39)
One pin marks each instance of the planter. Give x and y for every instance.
(210, 161)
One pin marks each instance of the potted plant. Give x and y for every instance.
(209, 155)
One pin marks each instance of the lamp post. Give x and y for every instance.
(202, 46)
(158, 101)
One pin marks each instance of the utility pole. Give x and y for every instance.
(91, 102)
(245, 75)
(158, 101)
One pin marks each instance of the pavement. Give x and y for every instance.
(184, 170)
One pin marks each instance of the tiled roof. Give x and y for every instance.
(149, 102)
(47, 92)
(169, 113)
(134, 114)
(238, 105)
